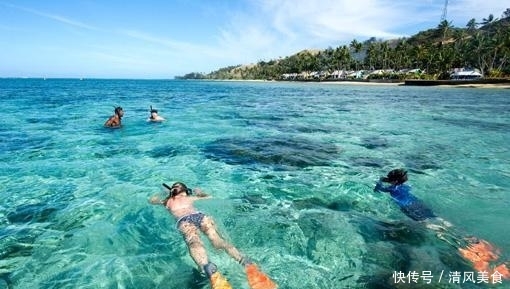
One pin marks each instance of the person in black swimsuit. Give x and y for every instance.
(191, 222)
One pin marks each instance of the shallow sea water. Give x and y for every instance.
(291, 167)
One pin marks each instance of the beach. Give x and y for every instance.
(383, 83)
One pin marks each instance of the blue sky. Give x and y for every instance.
(162, 39)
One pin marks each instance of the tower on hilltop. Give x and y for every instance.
(445, 9)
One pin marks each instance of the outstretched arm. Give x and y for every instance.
(199, 194)
(379, 187)
(155, 200)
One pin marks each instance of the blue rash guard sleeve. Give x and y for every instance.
(379, 187)
(408, 203)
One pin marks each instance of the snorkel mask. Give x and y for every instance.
(177, 188)
(152, 111)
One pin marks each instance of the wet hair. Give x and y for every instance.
(174, 192)
(397, 175)
(118, 109)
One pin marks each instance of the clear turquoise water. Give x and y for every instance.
(291, 167)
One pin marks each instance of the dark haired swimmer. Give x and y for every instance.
(154, 117)
(479, 252)
(116, 119)
(401, 194)
(191, 222)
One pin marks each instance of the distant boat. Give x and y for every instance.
(464, 74)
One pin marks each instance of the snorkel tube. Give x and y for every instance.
(173, 192)
(151, 111)
(167, 187)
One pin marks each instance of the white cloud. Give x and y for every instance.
(342, 20)
(270, 29)
(254, 30)
(279, 28)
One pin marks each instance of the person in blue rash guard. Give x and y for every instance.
(482, 254)
(409, 204)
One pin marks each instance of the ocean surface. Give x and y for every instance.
(291, 168)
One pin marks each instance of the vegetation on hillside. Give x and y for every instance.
(482, 45)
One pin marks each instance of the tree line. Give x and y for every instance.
(482, 45)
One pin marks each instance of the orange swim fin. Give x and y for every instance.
(503, 270)
(257, 279)
(479, 251)
(218, 281)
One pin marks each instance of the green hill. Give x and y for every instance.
(436, 51)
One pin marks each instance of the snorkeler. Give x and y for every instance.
(477, 251)
(154, 117)
(116, 119)
(401, 194)
(190, 222)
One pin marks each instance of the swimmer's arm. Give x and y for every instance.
(379, 187)
(155, 200)
(111, 122)
(199, 194)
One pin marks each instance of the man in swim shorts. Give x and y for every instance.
(191, 222)
(116, 119)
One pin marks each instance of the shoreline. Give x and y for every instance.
(476, 85)
(467, 85)
(501, 85)
(369, 83)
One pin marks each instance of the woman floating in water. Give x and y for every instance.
(480, 253)
(190, 222)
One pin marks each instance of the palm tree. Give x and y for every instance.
(356, 47)
(371, 56)
(501, 50)
(444, 28)
(471, 25)
(326, 59)
(342, 57)
(402, 55)
(506, 14)
(308, 62)
(384, 55)
(488, 20)
(459, 45)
